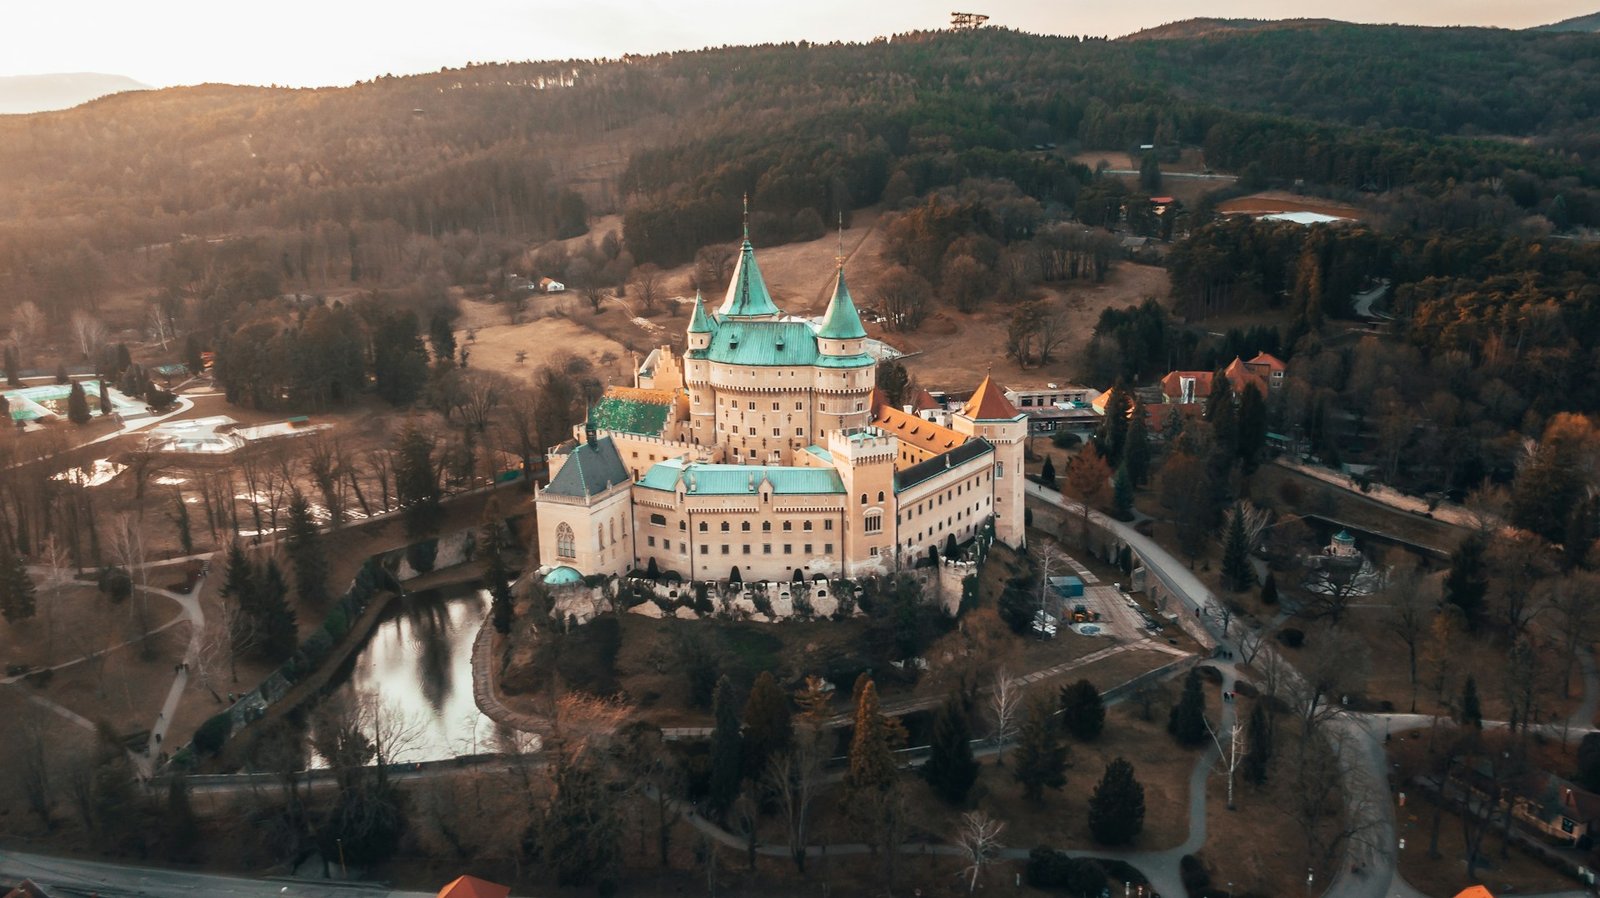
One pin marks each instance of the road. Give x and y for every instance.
(65, 876)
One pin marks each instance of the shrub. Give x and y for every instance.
(1209, 674)
(1293, 637)
(337, 624)
(1064, 440)
(1196, 878)
(316, 647)
(209, 738)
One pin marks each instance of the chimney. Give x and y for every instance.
(589, 432)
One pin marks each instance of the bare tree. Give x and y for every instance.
(1251, 641)
(481, 393)
(56, 558)
(1334, 665)
(1229, 756)
(88, 333)
(1408, 616)
(32, 755)
(1005, 703)
(1572, 598)
(325, 462)
(27, 327)
(795, 776)
(978, 837)
(159, 324)
(647, 286)
(127, 545)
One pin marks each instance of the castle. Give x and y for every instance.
(765, 452)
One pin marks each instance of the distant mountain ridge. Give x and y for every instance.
(1204, 27)
(1590, 23)
(20, 94)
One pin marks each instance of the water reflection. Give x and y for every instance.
(417, 664)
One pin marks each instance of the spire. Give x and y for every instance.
(989, 403)
(747, 292)
(841, 321)
(747, 215)
(700, 323)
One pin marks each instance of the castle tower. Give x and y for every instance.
(697, 375)
(747, 295)
(989, 414)
(865, 461)
(849, 372)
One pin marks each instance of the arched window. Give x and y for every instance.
(880, 495)
(724, 526)
(745, 527)
(600, 535)
(683, 525)
(703, 527)
(766, 526)
(872, 523)
(565, 542)
(863, 498)
(613, 529)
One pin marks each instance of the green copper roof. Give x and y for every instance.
(701, 323)
(629, 416)
(740, 480)
(563, 576)
(841, 321)
(845, 361)
(739, 342)
(747, 292)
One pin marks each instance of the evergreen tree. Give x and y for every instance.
(105, 398)
(1236, 570)
(61, 374)
(1269, 590)
(727, 749)
(77, 405)
(1116, 809)
(16, 586)
(1047, 474)
(1468, 581)
(1258, 751)
(498, 576)
(276, 620)
(872, 742)
(768, 729)
(1040, 758)
(13, 377)
(5, 410)
(443, 337)
(399, 361)
(239, 587)
(1122, 494)
(1083, 711)
(192, 354)
(180, 518)
(579, 835)
(303, 542)
(1113, 435)
(1187, 722)
(1252, 427)
(1471, 708)
(951, 769)
(416, 481)
(1149, 174)
(1136, 454)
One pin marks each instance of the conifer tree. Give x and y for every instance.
(1269, 590)
(13, 377)
(498, 576)
(77, 405)
(180, 519)
(1236, 570)
(1136, 454)
(768, 728)
(1083, 711)
(1047, 474)
(416, 481)
(303, 541)
(61, 374)
(1468, 581)
(1122, 495)
(105, 398)
(1116, 809)
(951, 769)
(1471, 708)
(1187, 722)
(16, 586)
(1258, 750)
(1040, 758)
(727, 749)
(276, 620)
(1252, 427)
(443, 338)
(872, 743)
(1113, 435)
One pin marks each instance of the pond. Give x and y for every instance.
(416, 669)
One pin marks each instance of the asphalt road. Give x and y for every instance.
(65, 876)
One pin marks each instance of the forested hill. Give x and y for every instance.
(1588, 23)
(807, 130)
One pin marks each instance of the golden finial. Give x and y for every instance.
(840, 257)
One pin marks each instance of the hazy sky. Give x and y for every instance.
(319, 42)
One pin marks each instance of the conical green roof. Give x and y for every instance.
(841, 321)
(747, 293)
(701, 322)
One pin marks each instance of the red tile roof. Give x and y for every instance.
(989, 403)
(473, 887)
(911, 429)
(923, 402)
(1172, 384)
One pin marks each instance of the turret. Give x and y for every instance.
(701, 325)
(841, 333)
(989, 414)
(747, 293)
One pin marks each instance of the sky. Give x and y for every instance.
(308, 43)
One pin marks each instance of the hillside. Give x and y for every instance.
(1589, 23)
(21, 94)
(1206, 27)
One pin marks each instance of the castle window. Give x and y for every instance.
(747, 548)
(705, 549)
(744, 527)
(725, 527)
(808, 548)
(774, 406)
(613, 530)
(806, 526)
(704, 527)
(874, 552)
(724, 548)
(799, 407)
(872, 523)
(788, 549)
(799, 431)
(828, 524)
(600, 535)
(766, 549)
(788, 526)
(683, 525)
(880, 495)
(766, 526)
(776, 433)
(660, 520)
(999, 469)
(827, 548)
(566, 542)
(752, 405)
(863, 498)
(651, 541)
